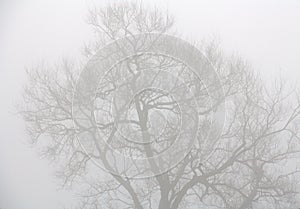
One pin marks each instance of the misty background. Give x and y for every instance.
(266, 33)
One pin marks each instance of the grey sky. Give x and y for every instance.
(266, 33)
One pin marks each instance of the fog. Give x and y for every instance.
(265, 33)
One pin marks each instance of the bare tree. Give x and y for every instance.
(248, 165)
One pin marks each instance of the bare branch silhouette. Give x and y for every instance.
(244, 167)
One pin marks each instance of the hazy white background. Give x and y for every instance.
(265, 32)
